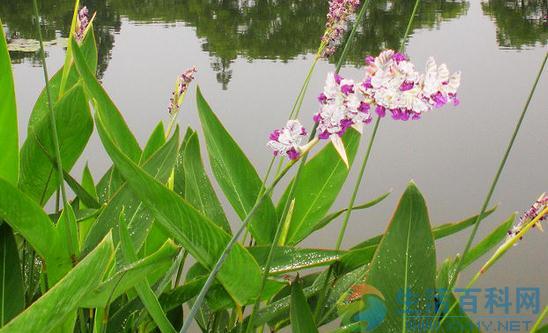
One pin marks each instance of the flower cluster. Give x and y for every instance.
(340, 11)
(342, 105)
(536, 208)
(394, 85)
(82, 22)
(181, 86)
(287, 141)
(391, 84)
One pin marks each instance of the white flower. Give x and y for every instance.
(287, 141)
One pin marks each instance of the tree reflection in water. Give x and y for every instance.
(270, 29)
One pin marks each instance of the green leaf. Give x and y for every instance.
(198, 189)
(543, 329)
(236, 175)
(88, 187)
(486, 244)
(182, 294)
(11, 279)
(302, 320)
(290, 259)
(159, 165)
(404, 266)
(74, 127)
(114, 122)
(40, 109)
(457, 319)
(362, 253)
(325, 221)
(143, 288)
(59, 302)
(26, 217)
(319, 184)
(204, 240)
(152, 267)
(9, 161)
(179, 172)
(439, 232)
(155, 141)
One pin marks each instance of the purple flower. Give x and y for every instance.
(286, 141)
(82, 22)
(181, 86)
(380, 110)
(341, 106)
(340, 12)
(532, 213)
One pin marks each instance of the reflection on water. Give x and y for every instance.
(520, 23)
(268, 29)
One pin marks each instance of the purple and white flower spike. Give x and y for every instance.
(287, 140)
(181, 86)
(340, 12)
(395, 86)
(439, 87)
(391, 84)
(536, 208)
(342, 105)
(82, 22)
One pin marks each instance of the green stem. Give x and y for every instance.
(487, 200)
(53, 124)
(539, 320)
(325, 290)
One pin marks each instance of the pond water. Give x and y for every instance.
(252, 57)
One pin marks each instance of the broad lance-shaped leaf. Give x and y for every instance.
(114, 122)
(290, 259)
(302, 320)
(152, 267)
(9, 159)
(439, 232)
(404, 266)
(26, 217)
(11, 280)
(204, 240)
(41, 109)
(50, 310)
(236, 175)
(159, 165)
(198, 189)
(155, 141)
(74, 127)
(362, 253)
(319, 184)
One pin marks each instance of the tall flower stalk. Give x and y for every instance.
(325, 290)
(266, 191)
(459, 265)
(344, 53)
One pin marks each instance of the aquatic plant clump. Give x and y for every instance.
(111, 255)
